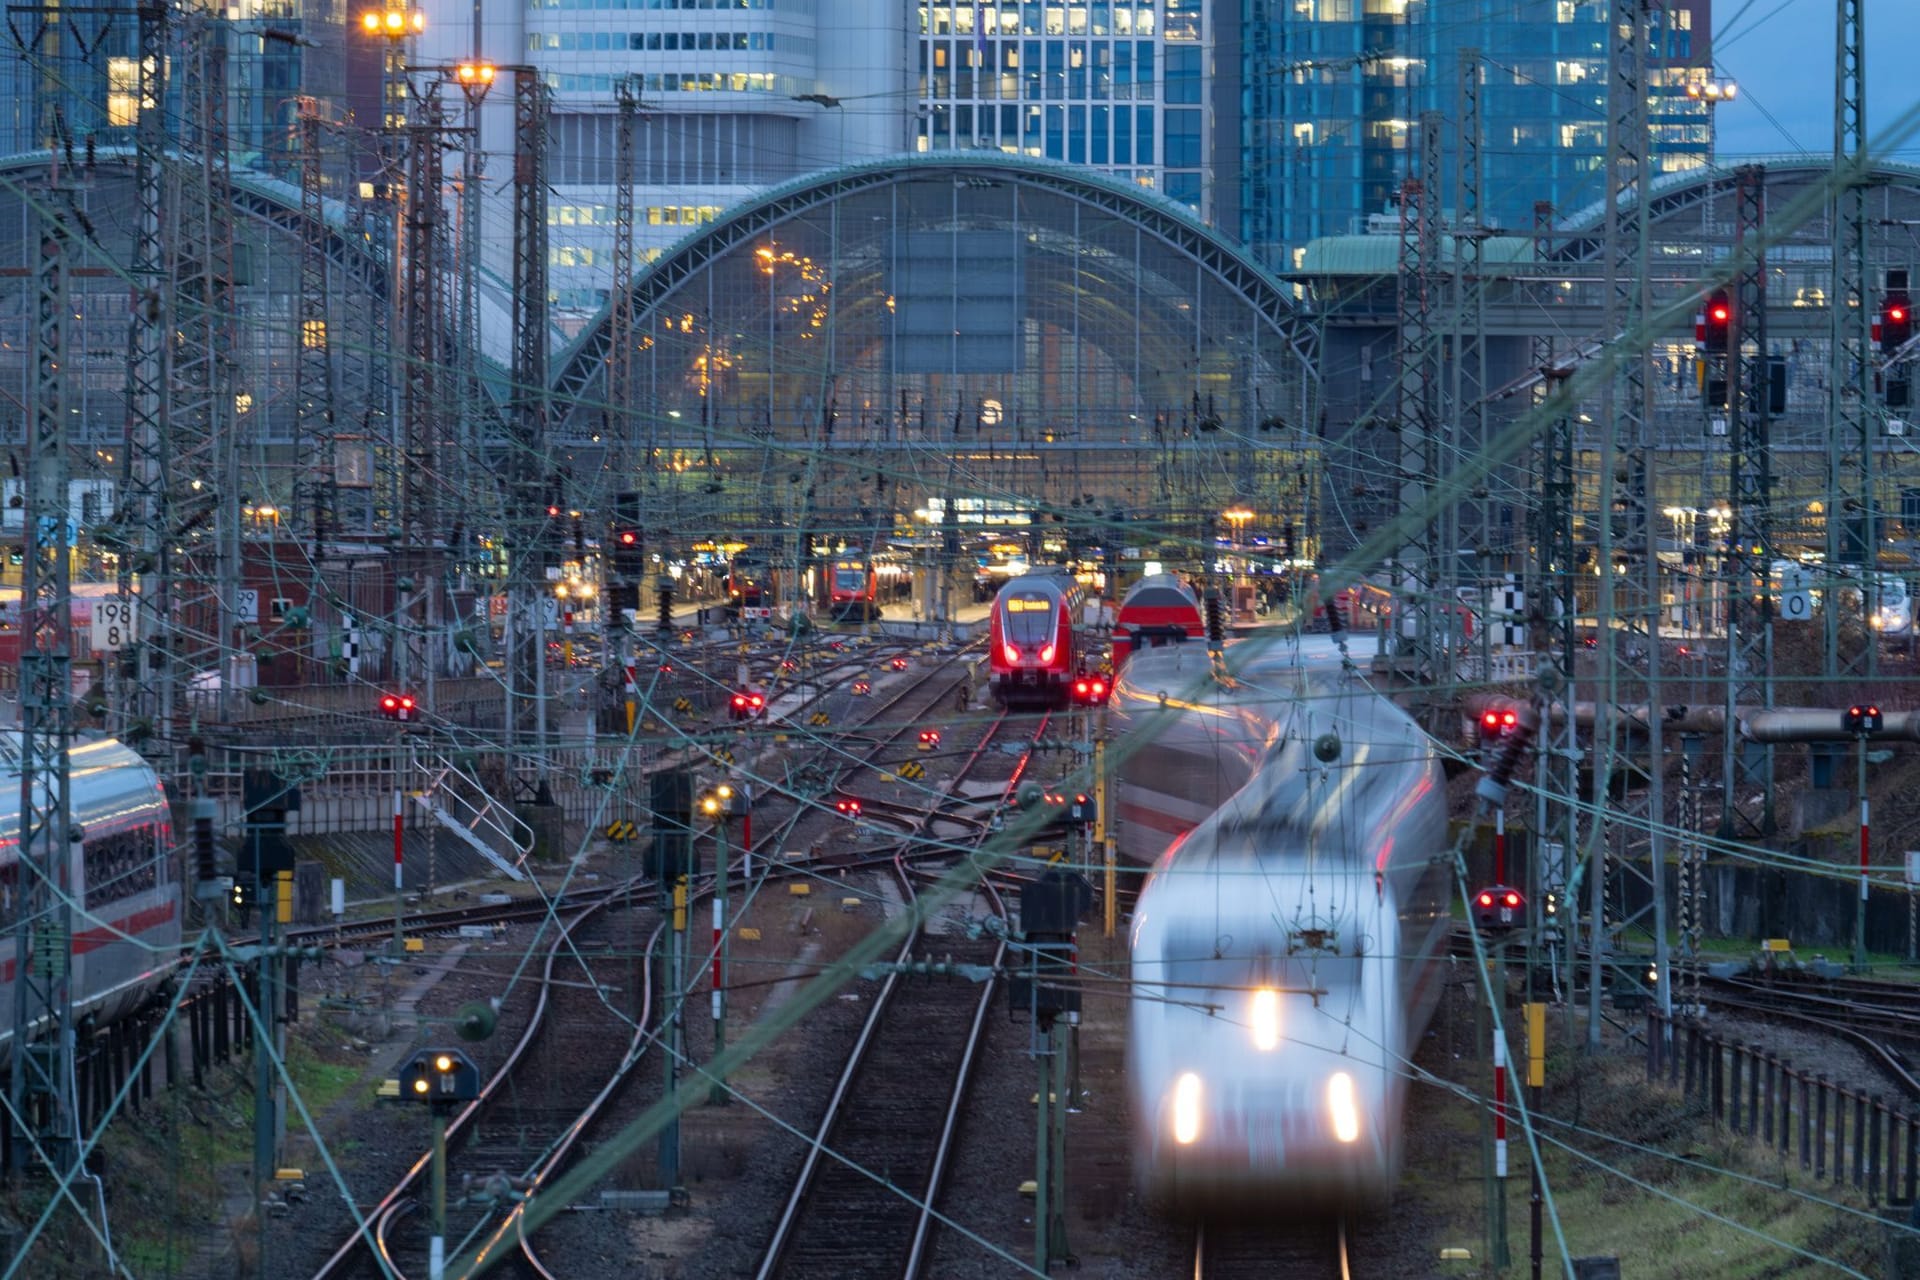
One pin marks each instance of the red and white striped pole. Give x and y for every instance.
(1499, 1104)
(1865, 843)
(633, 697)
(399, 899)
(1500, 845)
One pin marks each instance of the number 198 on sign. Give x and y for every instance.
(115, 624)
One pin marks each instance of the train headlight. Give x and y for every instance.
(1342, 1107)
(1264, 1017)
(1186, 1109)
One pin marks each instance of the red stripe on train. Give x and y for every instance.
(94, 939)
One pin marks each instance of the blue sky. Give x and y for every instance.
(1780, 54)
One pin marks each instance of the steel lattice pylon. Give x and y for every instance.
(1417, 388)
(202, 434)
(530, 534)
(420, 323)
(1468, 389)
(42, 917)
(1628, 624)
(315, 493)
(1550, 621)
(144, 509)
(620, 417)
(1750, 481)
(1850, 506)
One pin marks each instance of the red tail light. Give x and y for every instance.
(1011, 653)
(1046, 653)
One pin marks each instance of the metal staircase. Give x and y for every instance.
(458, 802)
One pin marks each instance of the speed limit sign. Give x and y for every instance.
(115, 623)
(1796, 606)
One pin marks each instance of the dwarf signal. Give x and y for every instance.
(847, 807)
(398, 706)
(1864, 720)
(1498, 908)
(748, 704)
(1090, 691)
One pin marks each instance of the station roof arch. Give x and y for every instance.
(954, 285)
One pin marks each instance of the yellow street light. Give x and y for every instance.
(470, 74)
(393, 24)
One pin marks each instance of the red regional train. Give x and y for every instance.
(1158, 610)
(751, 592)
(1034, 638)
(860, 584)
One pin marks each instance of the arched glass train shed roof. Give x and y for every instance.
(901, 297)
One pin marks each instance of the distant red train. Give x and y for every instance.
(1159, 609)
(1034, 639)
(751, 590)
(861, 584)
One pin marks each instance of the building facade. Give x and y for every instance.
(740, 97)
(1121, 86)
(1331, 92)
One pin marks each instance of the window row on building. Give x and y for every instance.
(1042, 70)
(667, 41)
(1094, 135)
(682, 82)
(694, 149)
(1087, 18)
(723, 6)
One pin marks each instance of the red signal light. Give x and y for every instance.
(1486, 899)
(552, 511)
(1490, 720)
(389, 704)
(628, 537)
(1896, 314)
(1513, 899)
(1722, 314)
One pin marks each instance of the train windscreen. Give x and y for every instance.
(849, 577)
(1030, 618)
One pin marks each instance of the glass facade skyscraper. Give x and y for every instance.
(1331, 92)
(1121, 86)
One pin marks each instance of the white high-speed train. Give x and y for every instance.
(125, 893)
(1287, 948)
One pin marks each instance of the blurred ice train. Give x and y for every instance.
(126, 897)
(1288, 947)
(1033, 638)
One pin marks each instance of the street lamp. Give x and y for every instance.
(395, 25)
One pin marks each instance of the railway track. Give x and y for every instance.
(537, 1129)
(864, 1200)
(525, 1147)
(1876, 1018)
(1301, 1251)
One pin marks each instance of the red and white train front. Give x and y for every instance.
(1032, 639)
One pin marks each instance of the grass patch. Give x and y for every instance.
(177, 1169)
(1661, 1198)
